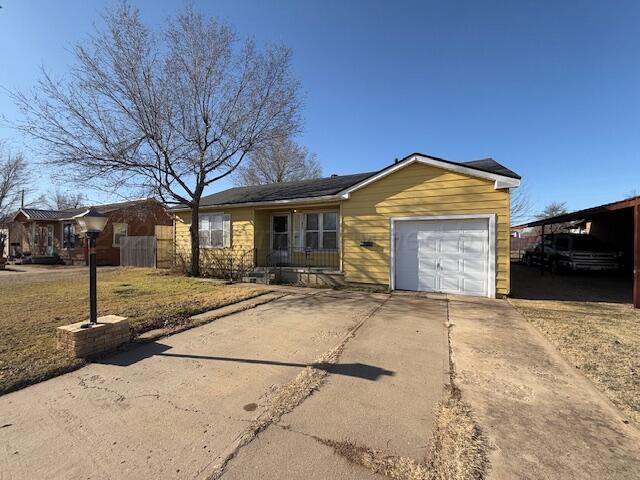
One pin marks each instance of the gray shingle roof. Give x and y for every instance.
(285, 191)
(326, 186)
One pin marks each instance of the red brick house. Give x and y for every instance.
(53, 236)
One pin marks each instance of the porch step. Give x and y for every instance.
(258, 275)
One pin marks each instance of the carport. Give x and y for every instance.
(617, 223)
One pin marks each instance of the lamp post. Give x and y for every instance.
(91, 224)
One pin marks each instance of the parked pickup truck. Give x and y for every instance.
(572, 251)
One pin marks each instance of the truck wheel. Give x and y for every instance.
(527, 261)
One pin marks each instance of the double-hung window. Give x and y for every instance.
(68, 236)
(321, 231)
(215, 230)
(119, 230)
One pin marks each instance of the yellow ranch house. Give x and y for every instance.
(422, 223)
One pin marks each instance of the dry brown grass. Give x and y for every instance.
(600, 339)
(32, 307)
(459, 450)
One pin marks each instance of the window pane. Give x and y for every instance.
(312, 221)
(216, 222)
(119, 230)
(280, 241)
(216, 238)
(205, 238)
(312, 240)
(204, 222)
(329, 221)
(281, 224)
(329, 240)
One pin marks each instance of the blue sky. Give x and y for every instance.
(550, 89)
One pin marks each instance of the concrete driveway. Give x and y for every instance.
(190, 405)
(542, 417)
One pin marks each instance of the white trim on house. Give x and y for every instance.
(500, 181)
(491, 271)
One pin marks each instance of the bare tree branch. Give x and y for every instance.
(279, 161)
(167, 112)
(14, 179)
(520, 205)
(59, 200)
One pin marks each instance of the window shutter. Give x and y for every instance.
(226, 230)
(298, 230)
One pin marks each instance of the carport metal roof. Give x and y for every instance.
(633, 202)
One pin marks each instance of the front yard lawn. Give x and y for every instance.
(32, 309)
(600, 339)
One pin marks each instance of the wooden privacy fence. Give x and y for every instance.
(138, 252)
(149, 252)
(164, 246)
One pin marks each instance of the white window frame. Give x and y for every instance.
(126, 233)
(226, 229)
(62, 247)
(321, 229)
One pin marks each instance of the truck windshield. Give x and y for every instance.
(587, 242)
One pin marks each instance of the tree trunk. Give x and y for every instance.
(195, 240)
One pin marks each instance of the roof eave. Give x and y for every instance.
(500, 181)
(305, 200)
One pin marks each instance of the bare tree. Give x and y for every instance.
(169, 111)
(520, 205)
(632, 193)
(14, 178)
(277, 162)
(553, 209)
(62, 201)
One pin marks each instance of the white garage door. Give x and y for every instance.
(449, 256)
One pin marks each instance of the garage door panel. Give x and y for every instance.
(449, 256)
(473, 287)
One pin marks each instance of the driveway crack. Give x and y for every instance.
(289, 396)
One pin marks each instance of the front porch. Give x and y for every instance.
(298, 238)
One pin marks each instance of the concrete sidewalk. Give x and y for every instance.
(542, 417)
(392, 414)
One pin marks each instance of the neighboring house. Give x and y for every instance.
(422, 223)
(45, 236)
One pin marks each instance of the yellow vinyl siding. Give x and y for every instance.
(416, 190)
(242, 232)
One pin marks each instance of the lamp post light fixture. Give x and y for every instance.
(91, 223)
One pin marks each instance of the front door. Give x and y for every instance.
(280, 237)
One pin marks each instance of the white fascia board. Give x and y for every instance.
(20, 210)
(325, 198)
(501, 181)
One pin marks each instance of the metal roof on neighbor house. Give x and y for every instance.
(43, 214)
(321, 187)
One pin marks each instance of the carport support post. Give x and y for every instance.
(636, 255)
(542, 252)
